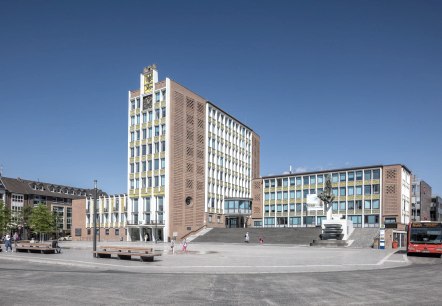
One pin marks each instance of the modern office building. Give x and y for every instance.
(111, 217)
(19, 193)
(190, 164)
(420, 200)
(371, 196)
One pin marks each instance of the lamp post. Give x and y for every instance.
(95, 218)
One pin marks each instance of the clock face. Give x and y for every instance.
(148, 83)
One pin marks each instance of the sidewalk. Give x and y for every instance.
(223, 258)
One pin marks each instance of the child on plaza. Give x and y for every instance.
(184, 243)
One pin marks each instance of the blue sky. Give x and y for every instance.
(326, 84)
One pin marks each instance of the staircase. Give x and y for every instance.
(198, 234)
(292, 235)
(363, 237)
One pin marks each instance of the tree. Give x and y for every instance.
(5, 218)
(42, 220)
(24, 217)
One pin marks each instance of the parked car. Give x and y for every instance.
(65, 238)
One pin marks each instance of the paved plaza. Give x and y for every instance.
(227, 274)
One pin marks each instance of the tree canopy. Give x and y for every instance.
(42, 220)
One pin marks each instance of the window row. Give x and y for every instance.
(147, 149)
(336, 206)
(156, 164)
(341, 191)
(320, 178)
(155, 181)
(157, 130)
(148, 116)
(159, 96)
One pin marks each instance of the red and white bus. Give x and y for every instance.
(424, 237)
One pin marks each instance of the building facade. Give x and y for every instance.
(372, 196)
(420, 200)
(19, 193)
(185, 157)
(111, 218)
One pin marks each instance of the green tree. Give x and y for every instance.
(42, 220)
(24, 219)
(5, 218)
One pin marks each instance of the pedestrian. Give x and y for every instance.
(146, 237)
(8, 243)
(172, 246)
(184, 243)
(261, 241)
(246, 237)
(16, 238)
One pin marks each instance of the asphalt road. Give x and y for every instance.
(30, 283)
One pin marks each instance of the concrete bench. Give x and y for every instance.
(50, 247)
(126, 253)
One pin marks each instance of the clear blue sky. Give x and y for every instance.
(326, 84)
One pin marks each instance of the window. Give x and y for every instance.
(266, 196)
(285, 195)
(376, 174)
(358, 190)
(367, 175)
(292, 181)
(351, 176)
(358, 175)
(157, 96)
(367, 204)
(351, 190)
(163, 112)
(106, 231)
(157, 130)
(306, 180)
(342, 205)
(279, 195)
(298, 181)
(335, 177)
(376, 189)
(292, 194)
(298, 194)
(144, 117)
(358, 204)
(342, 177)
(285, 182)
(117, 232)
(335, 191)
(278, 183)
(342, 191)
(143, 150)
(266, 184)
(312, 179)
(367, 189)
(351, 204)
(320, 179)
(375, 204)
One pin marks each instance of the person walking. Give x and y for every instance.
(246, 237)
(8, 243)
(184, 243)
(172, 246)
(16, 238)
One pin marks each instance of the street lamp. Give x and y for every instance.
(95, 218)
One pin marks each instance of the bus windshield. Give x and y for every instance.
(426, 235)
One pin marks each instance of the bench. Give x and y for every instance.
(126, 253)
(50, 247)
